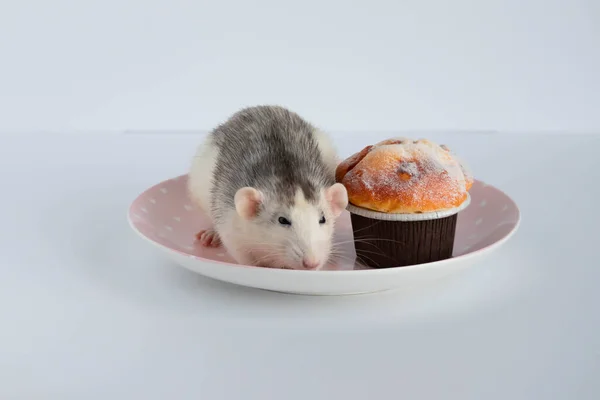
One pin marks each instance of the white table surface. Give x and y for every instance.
(90, 311)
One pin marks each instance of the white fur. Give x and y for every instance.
(273, 245)
(200, 175)
(260, 242)
(327, 149)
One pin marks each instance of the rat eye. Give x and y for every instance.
(322, 220)
(284, 221)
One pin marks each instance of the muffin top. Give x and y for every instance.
(401, 175)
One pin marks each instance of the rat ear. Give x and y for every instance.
(337, 197)
(247, 200)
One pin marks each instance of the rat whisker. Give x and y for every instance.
(366, 227)
(365, 238)
(374, 253)
(359, 256)
(373, 239)
(362, 262)
(373, 245)
(343, 257)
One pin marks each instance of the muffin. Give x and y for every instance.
(404, 199)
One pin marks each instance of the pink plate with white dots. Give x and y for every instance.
(164, 216)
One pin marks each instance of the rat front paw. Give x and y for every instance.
(208, 238)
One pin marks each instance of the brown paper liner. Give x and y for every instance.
(386, 244)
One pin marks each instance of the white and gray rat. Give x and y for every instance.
(266, 179)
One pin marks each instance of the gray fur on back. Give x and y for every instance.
(271, 149)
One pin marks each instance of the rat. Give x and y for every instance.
(266, 179)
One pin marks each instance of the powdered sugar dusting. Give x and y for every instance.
(411, 168)
(413, 175)
(466, 170)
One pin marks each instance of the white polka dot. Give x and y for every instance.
(221, 254)
(136, 216)
(177, 219)
(479, 221)
(188, 207)
(466, 248)
(189, 248)
(483, 203)
(167, 227)
(505, 207)
(164, 190)
(153, 201)
(144, 210)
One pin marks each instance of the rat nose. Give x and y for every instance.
(310, 263)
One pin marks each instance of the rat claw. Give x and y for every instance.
(208, 238)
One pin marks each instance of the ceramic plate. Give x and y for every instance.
(164, 217)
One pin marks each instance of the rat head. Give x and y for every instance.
(295, 233)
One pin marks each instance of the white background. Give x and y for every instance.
(346, 65)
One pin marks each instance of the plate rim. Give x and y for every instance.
(379, 271)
